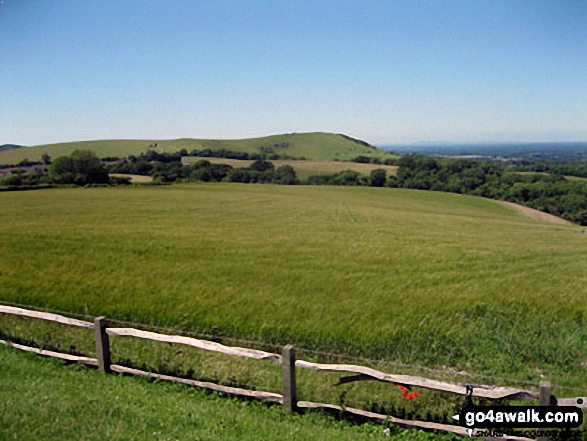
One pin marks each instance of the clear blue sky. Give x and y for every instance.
(384, 71)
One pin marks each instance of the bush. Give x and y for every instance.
(378, 177)
(286, 175)
(120, 180)
(13, 180)
(261, 166)
(81, 168)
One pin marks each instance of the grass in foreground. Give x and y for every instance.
(44, 399)
(415, 277)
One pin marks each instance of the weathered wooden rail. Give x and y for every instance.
(289, 363)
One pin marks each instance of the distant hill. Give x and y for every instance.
(316, 146)
(9, 147)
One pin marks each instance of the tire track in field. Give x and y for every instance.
(349, 213)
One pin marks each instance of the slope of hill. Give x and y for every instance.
(316, 146)
(413, 276)
(5, 147)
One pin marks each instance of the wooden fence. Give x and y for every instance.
(289, 364)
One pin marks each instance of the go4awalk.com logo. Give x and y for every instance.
(518, 417)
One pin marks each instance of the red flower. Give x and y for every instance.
(407, 394)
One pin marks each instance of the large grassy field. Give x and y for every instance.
(415, 277)
(316, 146)
(39, 403)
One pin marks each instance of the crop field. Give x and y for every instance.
(427, 278)
(135, 179)
(303, 169)
(317, 146)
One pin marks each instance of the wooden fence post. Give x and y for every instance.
(102, 344)
(288, 364)
(544, 400)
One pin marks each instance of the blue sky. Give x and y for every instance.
(383, 71)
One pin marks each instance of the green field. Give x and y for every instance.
(304, 169)
(39, 403)
(410, 276)
(316, 146)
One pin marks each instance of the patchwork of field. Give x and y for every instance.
(410, 276)
(569, 178)
(303, 169)
(316, 146)
(135, 179)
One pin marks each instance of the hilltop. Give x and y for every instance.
(314, 146)
(4, 147)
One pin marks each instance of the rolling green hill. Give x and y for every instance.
(9, 147)
(412, 276)
(316, 146)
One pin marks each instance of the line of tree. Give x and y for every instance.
(578, 170)
(82, 167)
(259, 171)
(362, 159)
(550, 193)
(266, 153)
(377, 178)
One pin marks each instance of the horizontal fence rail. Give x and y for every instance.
(62, 356)
(260, 395)
(201, 344)
(479, 390)
(46, 316)
(289, 364)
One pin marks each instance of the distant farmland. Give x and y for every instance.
(417, 277)
(303, 169)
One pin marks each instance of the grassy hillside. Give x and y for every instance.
(9, 147)
(419, 277)
(38, 402)
(317, 146)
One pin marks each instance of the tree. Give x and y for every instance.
(286, 175)
(362, 159)
(201, 174)
(61, 170)
(46, 159)
(261, 166)
(347, 177)
(378, 177)
(81, 168)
